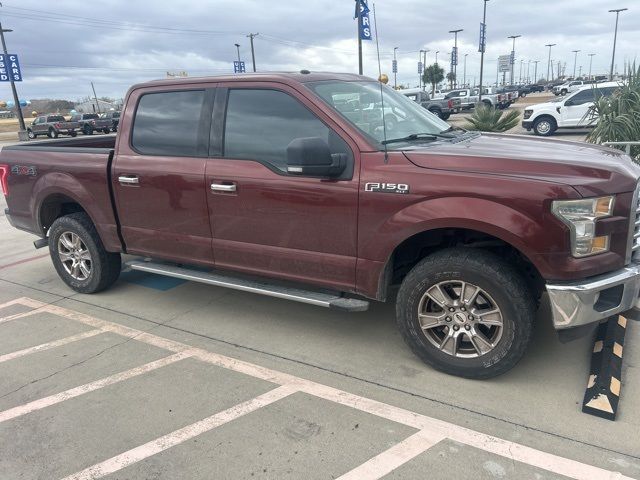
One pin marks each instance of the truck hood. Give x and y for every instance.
(545, 105)
(592, 170)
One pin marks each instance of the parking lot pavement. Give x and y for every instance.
(168, 380)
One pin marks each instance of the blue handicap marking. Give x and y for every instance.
(151, 280)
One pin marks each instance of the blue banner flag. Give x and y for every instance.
(238, 67)
(10, 68)
(483, 37)
(454, 56)
(394, 66)
(364, 27)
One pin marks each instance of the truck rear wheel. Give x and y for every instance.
(466, 312)
(52, 133)
(79, 256)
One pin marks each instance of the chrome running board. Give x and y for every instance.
(318, 298)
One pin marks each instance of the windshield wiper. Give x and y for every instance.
(415, 136)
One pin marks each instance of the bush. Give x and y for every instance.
(489, 119)
(617, 117)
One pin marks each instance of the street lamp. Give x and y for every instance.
(482, 47)
(454, 56)
(535, 72)
(520, 76)
(238, 48)
(513, 54)
(464, 75)
(591, 55)
(549, 62)
(575, 62)
(422, 57)
(615, 39)
(437, 56)
(395, 70)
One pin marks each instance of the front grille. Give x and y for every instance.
(635, 216)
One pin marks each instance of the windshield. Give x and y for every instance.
(361, 104)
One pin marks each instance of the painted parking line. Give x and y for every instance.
(179, 436)
(24, 260)
(49, 345)
(90, 387)
(431, 428)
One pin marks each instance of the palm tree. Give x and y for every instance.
(433, 74)
(489, 119)
(451, 78)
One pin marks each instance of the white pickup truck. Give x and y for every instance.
(566, 112)
(468, 97)
(568, 87)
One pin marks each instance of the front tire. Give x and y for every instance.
(79, 256)
(52, 133)
(545, 126)
(87, 130)
(437, 112)
(31, 135)
(466, 312)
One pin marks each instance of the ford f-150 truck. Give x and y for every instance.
(52, 126)
(443, 108)
(261, 183)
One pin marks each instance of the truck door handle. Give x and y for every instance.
(129, 179)
(218, 187)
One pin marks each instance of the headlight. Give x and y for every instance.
(527, 114)
(581, 216)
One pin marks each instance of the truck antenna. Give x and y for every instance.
(384, 123)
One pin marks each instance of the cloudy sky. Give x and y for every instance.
(66, 44)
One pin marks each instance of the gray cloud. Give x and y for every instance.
(64, 45)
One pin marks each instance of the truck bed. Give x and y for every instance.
(76, 170)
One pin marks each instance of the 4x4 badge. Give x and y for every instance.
(401, 188)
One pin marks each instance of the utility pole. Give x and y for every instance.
(482, 47)
(395, 73)
(253, 55)
(95, 97)
(549, 63)
(575, 62)
(424, 65)
(513, 54)
(615, 39)
(591, 55)
(454, 59)
(22, 134)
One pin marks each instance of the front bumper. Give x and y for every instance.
(589, 301)
(527, 124)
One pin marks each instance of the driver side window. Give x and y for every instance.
(260, 124)
(585, 96)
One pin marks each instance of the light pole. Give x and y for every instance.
(482, 47)
(549, 62)
(464, 74)
(395, 70)
(437, 56)
(575, 62)
(424, 65)
(591, 55)
(615, 39)
(238, 48)
(535, 72)
(22, 134)
(454, 57)
(520, 76)
(513, 54)
(580, 70)
(528, 69)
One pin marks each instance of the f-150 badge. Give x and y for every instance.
(24, 170)
(401, 188)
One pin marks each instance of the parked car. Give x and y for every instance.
(567, 87)
(491, 98)
(566, 112)
(52, 126)
(115, 119)
(443, 108)
(468, 97)
(311, 205)
(536, 87)
(91, 122)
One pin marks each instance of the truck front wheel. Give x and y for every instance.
(545, 126)
(466, 312)
(79, 256)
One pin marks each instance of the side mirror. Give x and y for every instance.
(311, 156)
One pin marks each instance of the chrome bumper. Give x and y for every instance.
(580, 303)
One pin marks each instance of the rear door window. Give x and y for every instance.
(167, 123)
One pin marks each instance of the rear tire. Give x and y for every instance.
(437, 112)
(106, 130)
(87, 130)
(79, 256)
(52, 133)
(488, 345)
(31, 135)
(73, 134)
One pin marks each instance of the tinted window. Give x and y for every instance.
(116, 115)
(167, 123)
(90, 116)
(260, 124)
(55, 118)
(585, 96)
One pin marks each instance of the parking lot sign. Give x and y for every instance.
(504, 63)
(10, 68)
(238, 67)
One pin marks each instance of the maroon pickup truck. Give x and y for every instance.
(290, 185)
